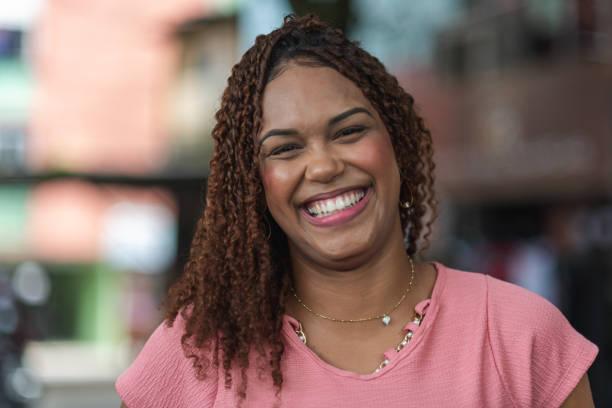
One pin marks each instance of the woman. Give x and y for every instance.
(301, 288)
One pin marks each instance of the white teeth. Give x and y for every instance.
(339, 203)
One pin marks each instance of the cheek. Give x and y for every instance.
(377, 156)
(278, 183)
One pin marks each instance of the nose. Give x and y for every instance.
(324, 166)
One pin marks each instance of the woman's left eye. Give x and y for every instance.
(284, 149)
(349, 131)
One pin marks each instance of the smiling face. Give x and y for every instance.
(328, 168)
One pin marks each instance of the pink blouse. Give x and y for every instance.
(481, 343)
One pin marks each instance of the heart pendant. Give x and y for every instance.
(386, 320)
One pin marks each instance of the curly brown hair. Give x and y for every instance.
(233, 290)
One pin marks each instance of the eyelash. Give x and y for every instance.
(349, 131)
(342, 133)
(282, 149)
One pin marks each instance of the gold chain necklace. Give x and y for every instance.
(385, 317)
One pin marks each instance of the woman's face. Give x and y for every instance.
(328, 168)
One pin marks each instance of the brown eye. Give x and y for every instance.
(349, 131)
(283, 149)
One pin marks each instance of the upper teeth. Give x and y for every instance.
(334, 204)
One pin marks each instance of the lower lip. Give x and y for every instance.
(340, 217)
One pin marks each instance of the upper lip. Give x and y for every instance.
(333, 193)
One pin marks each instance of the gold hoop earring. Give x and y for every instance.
(407, 204)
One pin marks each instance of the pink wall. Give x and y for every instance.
(103, 68)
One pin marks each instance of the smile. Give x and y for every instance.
(338, 209)
(333, 205)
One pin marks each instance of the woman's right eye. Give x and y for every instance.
(283, 149)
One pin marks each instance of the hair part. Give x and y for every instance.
(233, 290)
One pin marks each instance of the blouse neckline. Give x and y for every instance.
(426, 307)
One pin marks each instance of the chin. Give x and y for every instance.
(343, 255)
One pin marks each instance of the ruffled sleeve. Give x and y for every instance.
(161, 376)
(538, 354)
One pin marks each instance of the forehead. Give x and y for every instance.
(305, 95)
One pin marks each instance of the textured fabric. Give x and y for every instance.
(482, 343)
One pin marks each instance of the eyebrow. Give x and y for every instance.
(336, 119)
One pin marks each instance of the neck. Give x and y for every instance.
(368, 289)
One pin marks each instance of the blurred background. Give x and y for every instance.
(105, 112)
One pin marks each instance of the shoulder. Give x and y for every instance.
(503, 295)
(162, 374)
(461, 292)
(538, 354)
(501, 305)
(530, 319)
(507, 306)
